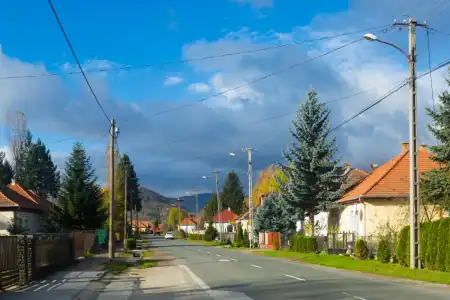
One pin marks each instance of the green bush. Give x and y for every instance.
(442, 244)
(431, 255)
(181, 234)
(361, 249)
(246, 239)
(210, 233)
(195, 237)
(130, 244)
(403, 247)
(301, 243)
(240, 234)
(424, 231)
(384, 251)
(447, 259)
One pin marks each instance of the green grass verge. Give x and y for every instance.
(117, 267)
(147, 254)
(366, 266)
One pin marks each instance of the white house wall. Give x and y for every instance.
(321, 218)
(188, 228)
(352, 219)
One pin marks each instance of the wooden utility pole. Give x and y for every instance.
(125, 227)
(112, 133)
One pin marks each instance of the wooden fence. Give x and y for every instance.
(24, 258)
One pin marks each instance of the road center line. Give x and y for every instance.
(297, 278)
(208, 253)
(41, 287)
(255, 266)
(232, 259)
(218, 255)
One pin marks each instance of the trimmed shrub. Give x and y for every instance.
(246, 239)
(431, 255)
(239, 235)
(447, 260)
(442, 244)
(424, 230)
(361, 249)
(210, 233)
(195, 237)
(301, 243)
(403, 247)
(384, 251)
(130, 244)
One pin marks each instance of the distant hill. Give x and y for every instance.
(152, 203)
(189, 201)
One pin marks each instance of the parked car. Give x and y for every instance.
(169, 236)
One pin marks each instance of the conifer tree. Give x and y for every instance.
(80, 197)
(314, 174)
(275, 215)
(232, 195)
(6, 171)
(35, 170)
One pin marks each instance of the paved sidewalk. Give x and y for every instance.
(65, 284)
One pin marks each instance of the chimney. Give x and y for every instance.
(347, 167)
(13, 181)
(423, 147)
(405, 147)
(229, 209)
(373, 166)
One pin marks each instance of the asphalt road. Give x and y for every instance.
(229, 274)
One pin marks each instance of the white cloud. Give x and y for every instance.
(173, 80)
(8, 153)
(199, 87)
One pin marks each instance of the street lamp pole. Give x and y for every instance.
(216, 173)
(414, 200)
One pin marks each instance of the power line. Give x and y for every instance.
(129, 67)
(76, 59)
(258, 79)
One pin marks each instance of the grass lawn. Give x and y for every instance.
(366, 266)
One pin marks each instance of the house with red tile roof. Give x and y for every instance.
(145, 225)
(382, 197)
(22, 206)
(190, 224)
(222, 220)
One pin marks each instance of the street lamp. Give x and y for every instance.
(414, 200)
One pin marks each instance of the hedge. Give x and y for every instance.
(402, 251)
(195, 237)
(442, 244)
(434, 245)
(431, 254)
(301, 243)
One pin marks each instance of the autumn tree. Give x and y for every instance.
(267, 182)
(232, 195)
(175, 216)
(313, 171)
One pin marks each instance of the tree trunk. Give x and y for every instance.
(311, 220)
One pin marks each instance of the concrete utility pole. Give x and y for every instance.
(112, 133)
(250, 191)
(218, 203)
(125, 212)
(414, 200)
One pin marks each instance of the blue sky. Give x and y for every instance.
(116, 33)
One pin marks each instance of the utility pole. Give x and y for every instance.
(414, 200)
(250, 190)
(218, 202)
(125, 227)
(112, 133)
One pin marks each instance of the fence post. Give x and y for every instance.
(22, 260)
(30, 246)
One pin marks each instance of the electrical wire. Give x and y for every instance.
(77, 61)
(129, 67)
(258, 79)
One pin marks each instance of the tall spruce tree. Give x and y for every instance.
(232, 195)
(6, 170)
(313, 173)
(80, 197)
(35, 170)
